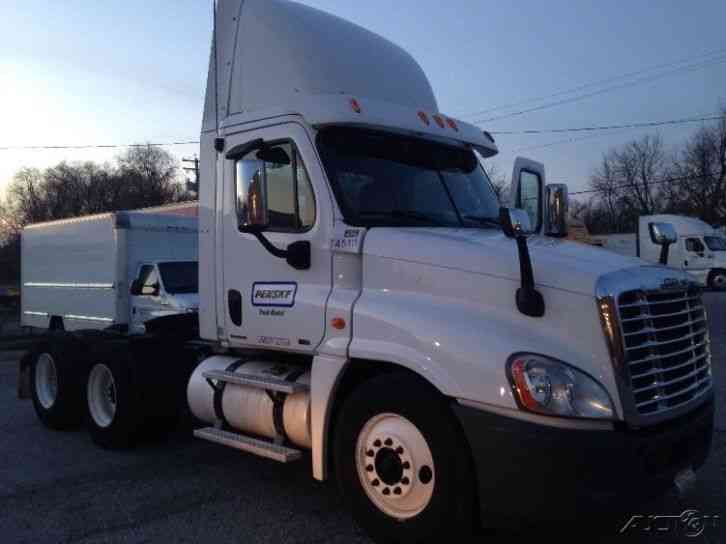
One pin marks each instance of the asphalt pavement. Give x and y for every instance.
(59, 487)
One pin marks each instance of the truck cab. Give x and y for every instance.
(163, 288)
(699, 249)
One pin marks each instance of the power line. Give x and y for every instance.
(595, 83)
(611, 127)
(680, 179)
(92, 146)
(646, 79)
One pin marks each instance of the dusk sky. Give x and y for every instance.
(81, 72)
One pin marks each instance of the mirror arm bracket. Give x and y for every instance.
(664, 249)
(297, 254)
(529, 300)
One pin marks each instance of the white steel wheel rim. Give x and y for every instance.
(719, 281)
(395, 466)
(102, 399)
(46, 380)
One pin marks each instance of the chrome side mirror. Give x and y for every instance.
(557, 206)
(251, 195)
(515, 222)
(662, 234)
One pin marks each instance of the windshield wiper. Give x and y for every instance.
(407, 214)
(482, 220)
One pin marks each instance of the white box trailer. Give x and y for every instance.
(77, 273)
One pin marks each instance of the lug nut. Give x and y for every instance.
(406, 465)
(397, 491)
(369, 468)
(375, 483)
(388, 442)
(377, 443)
(399, 450)
(387, 491)
(370, 453)
(405, 481)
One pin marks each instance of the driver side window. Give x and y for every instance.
(149, 279)
(694, 245)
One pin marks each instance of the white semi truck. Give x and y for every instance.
(699, 249)
(364, 299)
(117, 269)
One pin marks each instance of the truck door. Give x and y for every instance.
(267, 302)
(694, 255)
(527, 190)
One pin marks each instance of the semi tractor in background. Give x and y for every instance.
(699, 248)
(115, 270)
(363, 298)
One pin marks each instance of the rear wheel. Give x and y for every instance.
(403, 464)
(55, 389)
(717, 280)
(112, 406)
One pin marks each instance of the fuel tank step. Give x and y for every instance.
(259, 382)
(262, 448)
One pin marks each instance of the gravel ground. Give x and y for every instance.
(58, 487)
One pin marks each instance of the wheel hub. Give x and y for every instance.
(395, 466)
(46, 380)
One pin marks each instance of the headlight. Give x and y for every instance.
(553, 388)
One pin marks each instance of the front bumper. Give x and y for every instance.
(526, 470)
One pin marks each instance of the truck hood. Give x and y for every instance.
(558, 264)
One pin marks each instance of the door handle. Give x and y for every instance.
(234, 305)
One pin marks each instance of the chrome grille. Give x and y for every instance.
(665, 347)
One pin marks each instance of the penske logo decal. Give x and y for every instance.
(278, 294)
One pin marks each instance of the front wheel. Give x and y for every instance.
(403, 464)
(717, 281)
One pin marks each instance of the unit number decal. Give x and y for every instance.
(275, 294)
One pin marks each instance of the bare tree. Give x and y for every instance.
(699, 172)
(500, 185)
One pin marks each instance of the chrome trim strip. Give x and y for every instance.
(88, 318)
(39, 314)
(70, 285)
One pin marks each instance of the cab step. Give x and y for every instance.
(260, 382)
(261, 448)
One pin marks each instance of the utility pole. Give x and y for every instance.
(192, 186)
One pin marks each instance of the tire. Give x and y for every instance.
(717, 280)
(112, 405)
(403, 464)
(56, 388)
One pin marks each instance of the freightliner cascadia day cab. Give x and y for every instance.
(364, 298)
(81, 273)
(699, 249)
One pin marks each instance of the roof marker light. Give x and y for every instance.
(425, 118)
(355, 106)
(452, 124)
(439, 121)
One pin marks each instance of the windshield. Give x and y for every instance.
(715, 243)
(181, 277)
(382, 179)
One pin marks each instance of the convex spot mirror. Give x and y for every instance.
(662, 234)
(515, 222)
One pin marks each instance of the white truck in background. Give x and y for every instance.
(116, 269)
(364, 298)
(699, 249)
